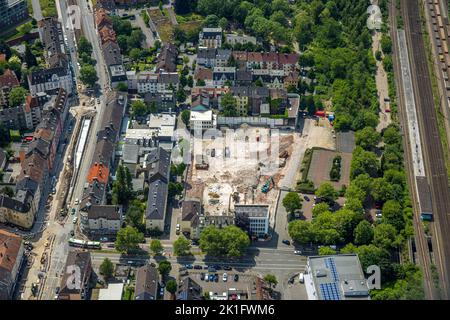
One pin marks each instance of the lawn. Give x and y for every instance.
(162, 23)
(48, 8)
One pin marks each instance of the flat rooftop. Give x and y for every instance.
(336, 277)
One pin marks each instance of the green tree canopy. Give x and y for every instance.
(230, 241)
(17, 96)
(181, 246)
(292, 202)
(164, 268)
(363, 233)
(128, 239)
(107, 268)
(156, 247)
(171, 286)
(327, 193)
(88, 75)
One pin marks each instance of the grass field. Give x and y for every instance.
(162, 23)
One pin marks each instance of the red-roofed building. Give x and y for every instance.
(11, 257)
(8, 80)
(98, 172)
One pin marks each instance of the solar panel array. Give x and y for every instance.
(330, 291)
(330, 264)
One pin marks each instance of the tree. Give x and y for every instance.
(181, 95)
(29, 57)
(122, 187)
(181, 246)
(393, 215)
(128, 239)
(15, 64)
(271, 279)
(326, 251)
(139, 108)
(386, 44)
(327, 193)
(228, 103)
(384, 235)
(211, 21)
(223, 23)
(300, 231)
(135, 54)
(174, 189)
(135, 215)
(122, 86)
(88, 75)
(84, 46)
(367, 138)
(171, 286)
(229, 241)
(186, 116)
(156, 247)
(292, 202)
(164, 268)
(107, 268)
(363, 233)
(364, 162)
(319, 208)
(17, 96)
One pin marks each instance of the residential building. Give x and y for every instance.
(254, 218)
(148, 82)
(50, 33)
(202, 118)
(189, 290)
(210, 38)
(205, 75)
(8, 80)
(96, 216)
(75, 282)
(249, 100)
(167, 58)
(50, 80)
(113, 62)
(158, 167)
(108, 5)
(335, 277)
(223, 75)
(103, 219)
(234, 39)
(212, 57)
(164, 101)
(11, 259)
(113, 292)
(12, 12)
(147, 280)
(191, 212)
(287, 62)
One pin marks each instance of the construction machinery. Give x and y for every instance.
(268, 185)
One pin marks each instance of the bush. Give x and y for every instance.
(335, 172)
(306, 186)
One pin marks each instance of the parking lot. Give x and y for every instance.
(214, 284)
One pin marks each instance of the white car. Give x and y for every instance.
(76, 201)
(301, 278)
(298, 252)
(178, 227)
(75, 219)
(225, 277)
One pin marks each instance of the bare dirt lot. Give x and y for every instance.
(321, 163)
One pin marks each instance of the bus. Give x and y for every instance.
(84, 244)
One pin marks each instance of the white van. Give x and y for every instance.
(301, 278)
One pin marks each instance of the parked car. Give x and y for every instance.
(57, 290)
(211, 269)
(301, 278)
(227, 268)
(75, 219)
(188, 266)
(298, 252)
(211, 277)
(236, 278)
(218, 267)
(306, 198)
(286, 242)
(206, 278)
(202, 276)
(224, 277)
(216, 277)
(197, 267)
(72, 233)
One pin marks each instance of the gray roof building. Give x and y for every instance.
(147, 279)
(189, 290)
(336, 277)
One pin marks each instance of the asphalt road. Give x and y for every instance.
(60, 248)
(433, 153)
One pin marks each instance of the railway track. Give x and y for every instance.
(422, 250)
(433, 153)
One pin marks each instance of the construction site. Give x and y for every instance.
(242, 166)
